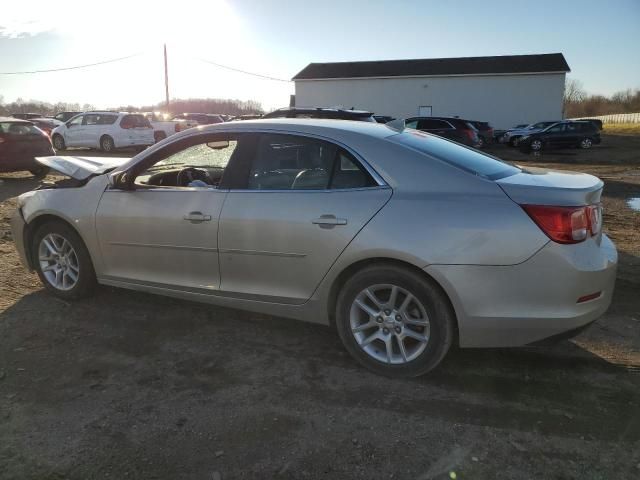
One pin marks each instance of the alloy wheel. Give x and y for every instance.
(536, 145)
(58, 261)
(389, 324)
(586, 143)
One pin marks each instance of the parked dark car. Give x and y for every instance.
(64, 116)
(200, 118)
(26, 116)
(321, 112)
(46, 124)
(578, 134)
(485, 132)
(383, 118)
(452, 128)
(247, 116)
(20, 142)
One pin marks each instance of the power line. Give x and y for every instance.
(74, 67)
(267, 77)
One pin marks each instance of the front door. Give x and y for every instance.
(74, 133)
(303, 200)
(164, 233)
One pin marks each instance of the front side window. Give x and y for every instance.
(290, 162)
(196, 164)
(76, 121)
(411, 124)
(555, 129)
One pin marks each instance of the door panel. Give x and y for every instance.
(144, 236)
(278, 245)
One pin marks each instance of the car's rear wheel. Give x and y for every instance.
(394, 321)
(58, 142)
(159, 136)
(586, 143)
(481, 143)
(62, 261)
(536, 145)
(106, 144)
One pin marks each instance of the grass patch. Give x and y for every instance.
(622, 128)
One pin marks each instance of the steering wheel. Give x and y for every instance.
(189, 174)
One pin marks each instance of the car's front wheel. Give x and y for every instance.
(394, 321)
(586, 143)
(106, 144)
(58, 142)
(536, 145)
(62, 261)
(39, 172)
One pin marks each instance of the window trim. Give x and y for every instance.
(188, 136)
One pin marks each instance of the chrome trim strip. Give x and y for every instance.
(209, 292)
(170, 247)
(264, 253)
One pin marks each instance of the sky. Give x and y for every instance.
(278, 38)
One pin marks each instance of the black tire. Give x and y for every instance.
(58, 142)
(159, 136)
(481, 142)
(86, 277)
(107, 144)
(39, 172)
(440, 314)
(586, 143)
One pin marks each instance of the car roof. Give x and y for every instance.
(13, 120)
(311, 110)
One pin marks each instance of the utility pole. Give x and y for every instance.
(166, 78)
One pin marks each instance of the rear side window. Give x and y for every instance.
(289, 162)
(19, 129)
(459, 156)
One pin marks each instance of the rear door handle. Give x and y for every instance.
(197, 217)
(329, 221)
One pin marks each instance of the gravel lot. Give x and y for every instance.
(130, 385)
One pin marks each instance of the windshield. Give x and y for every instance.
(465, 158)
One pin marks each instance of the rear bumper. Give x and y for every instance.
(18, 225)
(510, 306)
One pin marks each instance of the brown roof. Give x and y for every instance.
(505, 64)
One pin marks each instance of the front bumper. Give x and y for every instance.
(18, 225)
(510, 306)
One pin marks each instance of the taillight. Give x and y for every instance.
(566, 224)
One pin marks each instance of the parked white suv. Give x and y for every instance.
(104, 130)
(164, 127)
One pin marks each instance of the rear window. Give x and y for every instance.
(135, 121)
(459, 156)
(16, 128)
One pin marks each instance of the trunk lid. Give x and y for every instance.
(81, 168)
(539, 186)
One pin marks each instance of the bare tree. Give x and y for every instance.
(573, 94)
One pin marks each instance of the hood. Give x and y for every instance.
(81, 168)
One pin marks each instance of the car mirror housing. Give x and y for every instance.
(120, 181)
(219, 145)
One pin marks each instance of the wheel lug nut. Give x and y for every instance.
(385, 330)
(379, 319)
(398, 318)
(398, 329)
(387, 312)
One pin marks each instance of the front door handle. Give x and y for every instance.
(197, 217)
(329, 221)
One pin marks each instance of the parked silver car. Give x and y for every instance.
(403, 240)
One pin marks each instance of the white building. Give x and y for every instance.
(504, 90)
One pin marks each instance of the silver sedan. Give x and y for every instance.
(405, 242)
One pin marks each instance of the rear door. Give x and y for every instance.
(295, 208)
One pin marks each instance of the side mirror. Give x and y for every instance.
(120, 181)
(218, 145)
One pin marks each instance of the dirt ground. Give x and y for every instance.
(130, 385)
